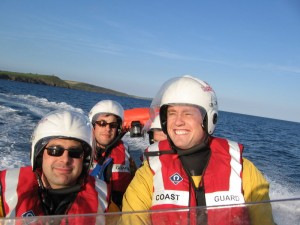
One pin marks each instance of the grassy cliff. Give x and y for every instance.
(52, 80)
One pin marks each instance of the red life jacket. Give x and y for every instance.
(121, 175)
(20, 195)
(221, 180)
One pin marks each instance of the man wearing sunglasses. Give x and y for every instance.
(114, 164)
(58, 181)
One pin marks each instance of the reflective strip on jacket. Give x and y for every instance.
(121, 175)
(20, 195)
(222, 181)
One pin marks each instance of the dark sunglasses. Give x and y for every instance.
(56, 151)
(103, 123)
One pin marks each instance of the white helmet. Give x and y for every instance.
(151, 124)
(187, 90)
(155, 124)
(109, 107)
(63, 124)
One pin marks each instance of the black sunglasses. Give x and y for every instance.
(56, 151)
(103, 123)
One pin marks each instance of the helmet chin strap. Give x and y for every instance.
(40, 181)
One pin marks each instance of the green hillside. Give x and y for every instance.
(53, 80)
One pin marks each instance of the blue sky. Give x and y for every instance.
(249, 51)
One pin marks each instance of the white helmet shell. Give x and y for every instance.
(188, 90)
(156, 123)
(151, 125)
(109, 107)
(63, 124)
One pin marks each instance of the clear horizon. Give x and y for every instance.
(248, 52)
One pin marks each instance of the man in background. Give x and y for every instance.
(113, 162)
(155, 132)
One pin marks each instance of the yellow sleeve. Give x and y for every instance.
(256, 189)
(112, 219)
(112, 207)
(138, 197)
(1, 210)
(255, 186)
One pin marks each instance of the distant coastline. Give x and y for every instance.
(52, 80)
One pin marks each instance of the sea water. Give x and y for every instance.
(272, 145)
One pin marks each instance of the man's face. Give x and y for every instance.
(105, 134)
(62, 171)
(184, 125)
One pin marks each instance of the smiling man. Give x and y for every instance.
(63, 171)
(193, 168)
(58, 181)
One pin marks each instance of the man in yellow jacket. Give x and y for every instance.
(192, 168)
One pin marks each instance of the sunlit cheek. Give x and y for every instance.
(169, 130)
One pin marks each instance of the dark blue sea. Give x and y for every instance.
(272, 145)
